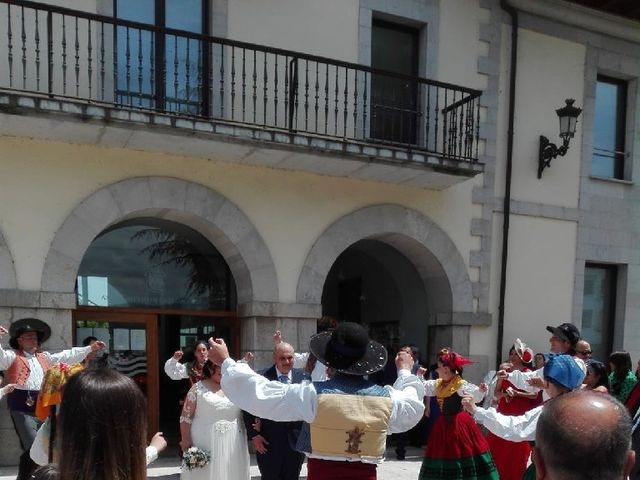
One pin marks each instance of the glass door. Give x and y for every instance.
(131, 348)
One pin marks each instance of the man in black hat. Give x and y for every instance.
(25, 366)
(347, 417)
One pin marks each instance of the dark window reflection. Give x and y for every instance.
(157, 70)
(154, 263)
(394, 101)
(609, 128)
(598, 308)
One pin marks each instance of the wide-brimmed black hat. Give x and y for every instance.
(25, 325)
(347, 349)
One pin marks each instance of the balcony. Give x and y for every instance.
(336, 117)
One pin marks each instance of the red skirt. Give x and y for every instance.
(318, 469)
(457, 450)
(456, 436)
(510, 457)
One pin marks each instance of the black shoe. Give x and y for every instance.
(400, 454)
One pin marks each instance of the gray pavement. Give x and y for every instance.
(168, 468)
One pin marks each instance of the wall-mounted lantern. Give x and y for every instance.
(568, 116)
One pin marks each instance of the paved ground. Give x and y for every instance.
(168, 468)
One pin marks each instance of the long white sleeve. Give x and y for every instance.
(520, 379)
(6, 358)
(290, 402)
(175, 370)
(408, 408)
(300, 359)
(70, 356)
(267, 399)
(514, 428)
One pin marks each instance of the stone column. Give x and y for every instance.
(296, 321)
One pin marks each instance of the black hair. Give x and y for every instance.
(87, 341)
(599, 369)
(622, 363)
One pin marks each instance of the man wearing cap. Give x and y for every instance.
(561, 375)
(25, 366)
(563, 341)
(347, 417)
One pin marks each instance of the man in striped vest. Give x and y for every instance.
(25, 366)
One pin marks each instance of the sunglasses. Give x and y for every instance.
(586, 352)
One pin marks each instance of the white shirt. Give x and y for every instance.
(36, 374)
(294, 402)
(39, 451)
(465, 388)
(518, 428)
(520, 379)
(175, 370)
(319, 373)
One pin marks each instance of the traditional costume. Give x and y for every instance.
(560, 369)
(347, 417)
(511, 457)
(27, 371)
(456, 449)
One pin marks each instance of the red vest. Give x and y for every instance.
(19, 370)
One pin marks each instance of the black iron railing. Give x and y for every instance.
(66, 53)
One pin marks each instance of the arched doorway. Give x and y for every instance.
(374, 284)
(148, 287)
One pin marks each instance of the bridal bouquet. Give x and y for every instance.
(195, 458)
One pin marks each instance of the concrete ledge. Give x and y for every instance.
(478, 319)
(273, 309)
(15, 298)
(86, 123)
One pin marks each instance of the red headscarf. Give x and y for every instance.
(454, 361)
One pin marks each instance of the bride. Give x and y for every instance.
(210, 422)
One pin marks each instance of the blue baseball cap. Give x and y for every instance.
(563, 370)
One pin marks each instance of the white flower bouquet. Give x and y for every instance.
(195, 458)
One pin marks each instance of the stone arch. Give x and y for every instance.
(419, 239)
(218, 219)
(7, 268)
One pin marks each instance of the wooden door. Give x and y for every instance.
(132, 349)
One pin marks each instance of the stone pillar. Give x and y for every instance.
(296, 321)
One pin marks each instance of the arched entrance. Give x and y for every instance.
(374, 284)
(148, 287)
(415, 276)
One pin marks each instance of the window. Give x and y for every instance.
(609, 128)
(156, 69)
(153, 263)
(394, 104)
(598, 308)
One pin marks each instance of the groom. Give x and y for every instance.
(275, 442)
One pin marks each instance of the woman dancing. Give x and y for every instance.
(456, 448)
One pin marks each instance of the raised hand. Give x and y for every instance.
(404, 360)
(277, 337)
(177, 355)
(218, 351)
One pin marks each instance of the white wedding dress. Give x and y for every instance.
(217, 427)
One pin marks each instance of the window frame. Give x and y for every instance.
(159, 96)
(620, 151)
(609, 325)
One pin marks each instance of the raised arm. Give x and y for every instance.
(175, 370)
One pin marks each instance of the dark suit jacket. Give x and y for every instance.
(282, 436)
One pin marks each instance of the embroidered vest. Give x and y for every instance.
(19, 370)
(351, 422)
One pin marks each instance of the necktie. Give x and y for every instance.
(284, 378)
